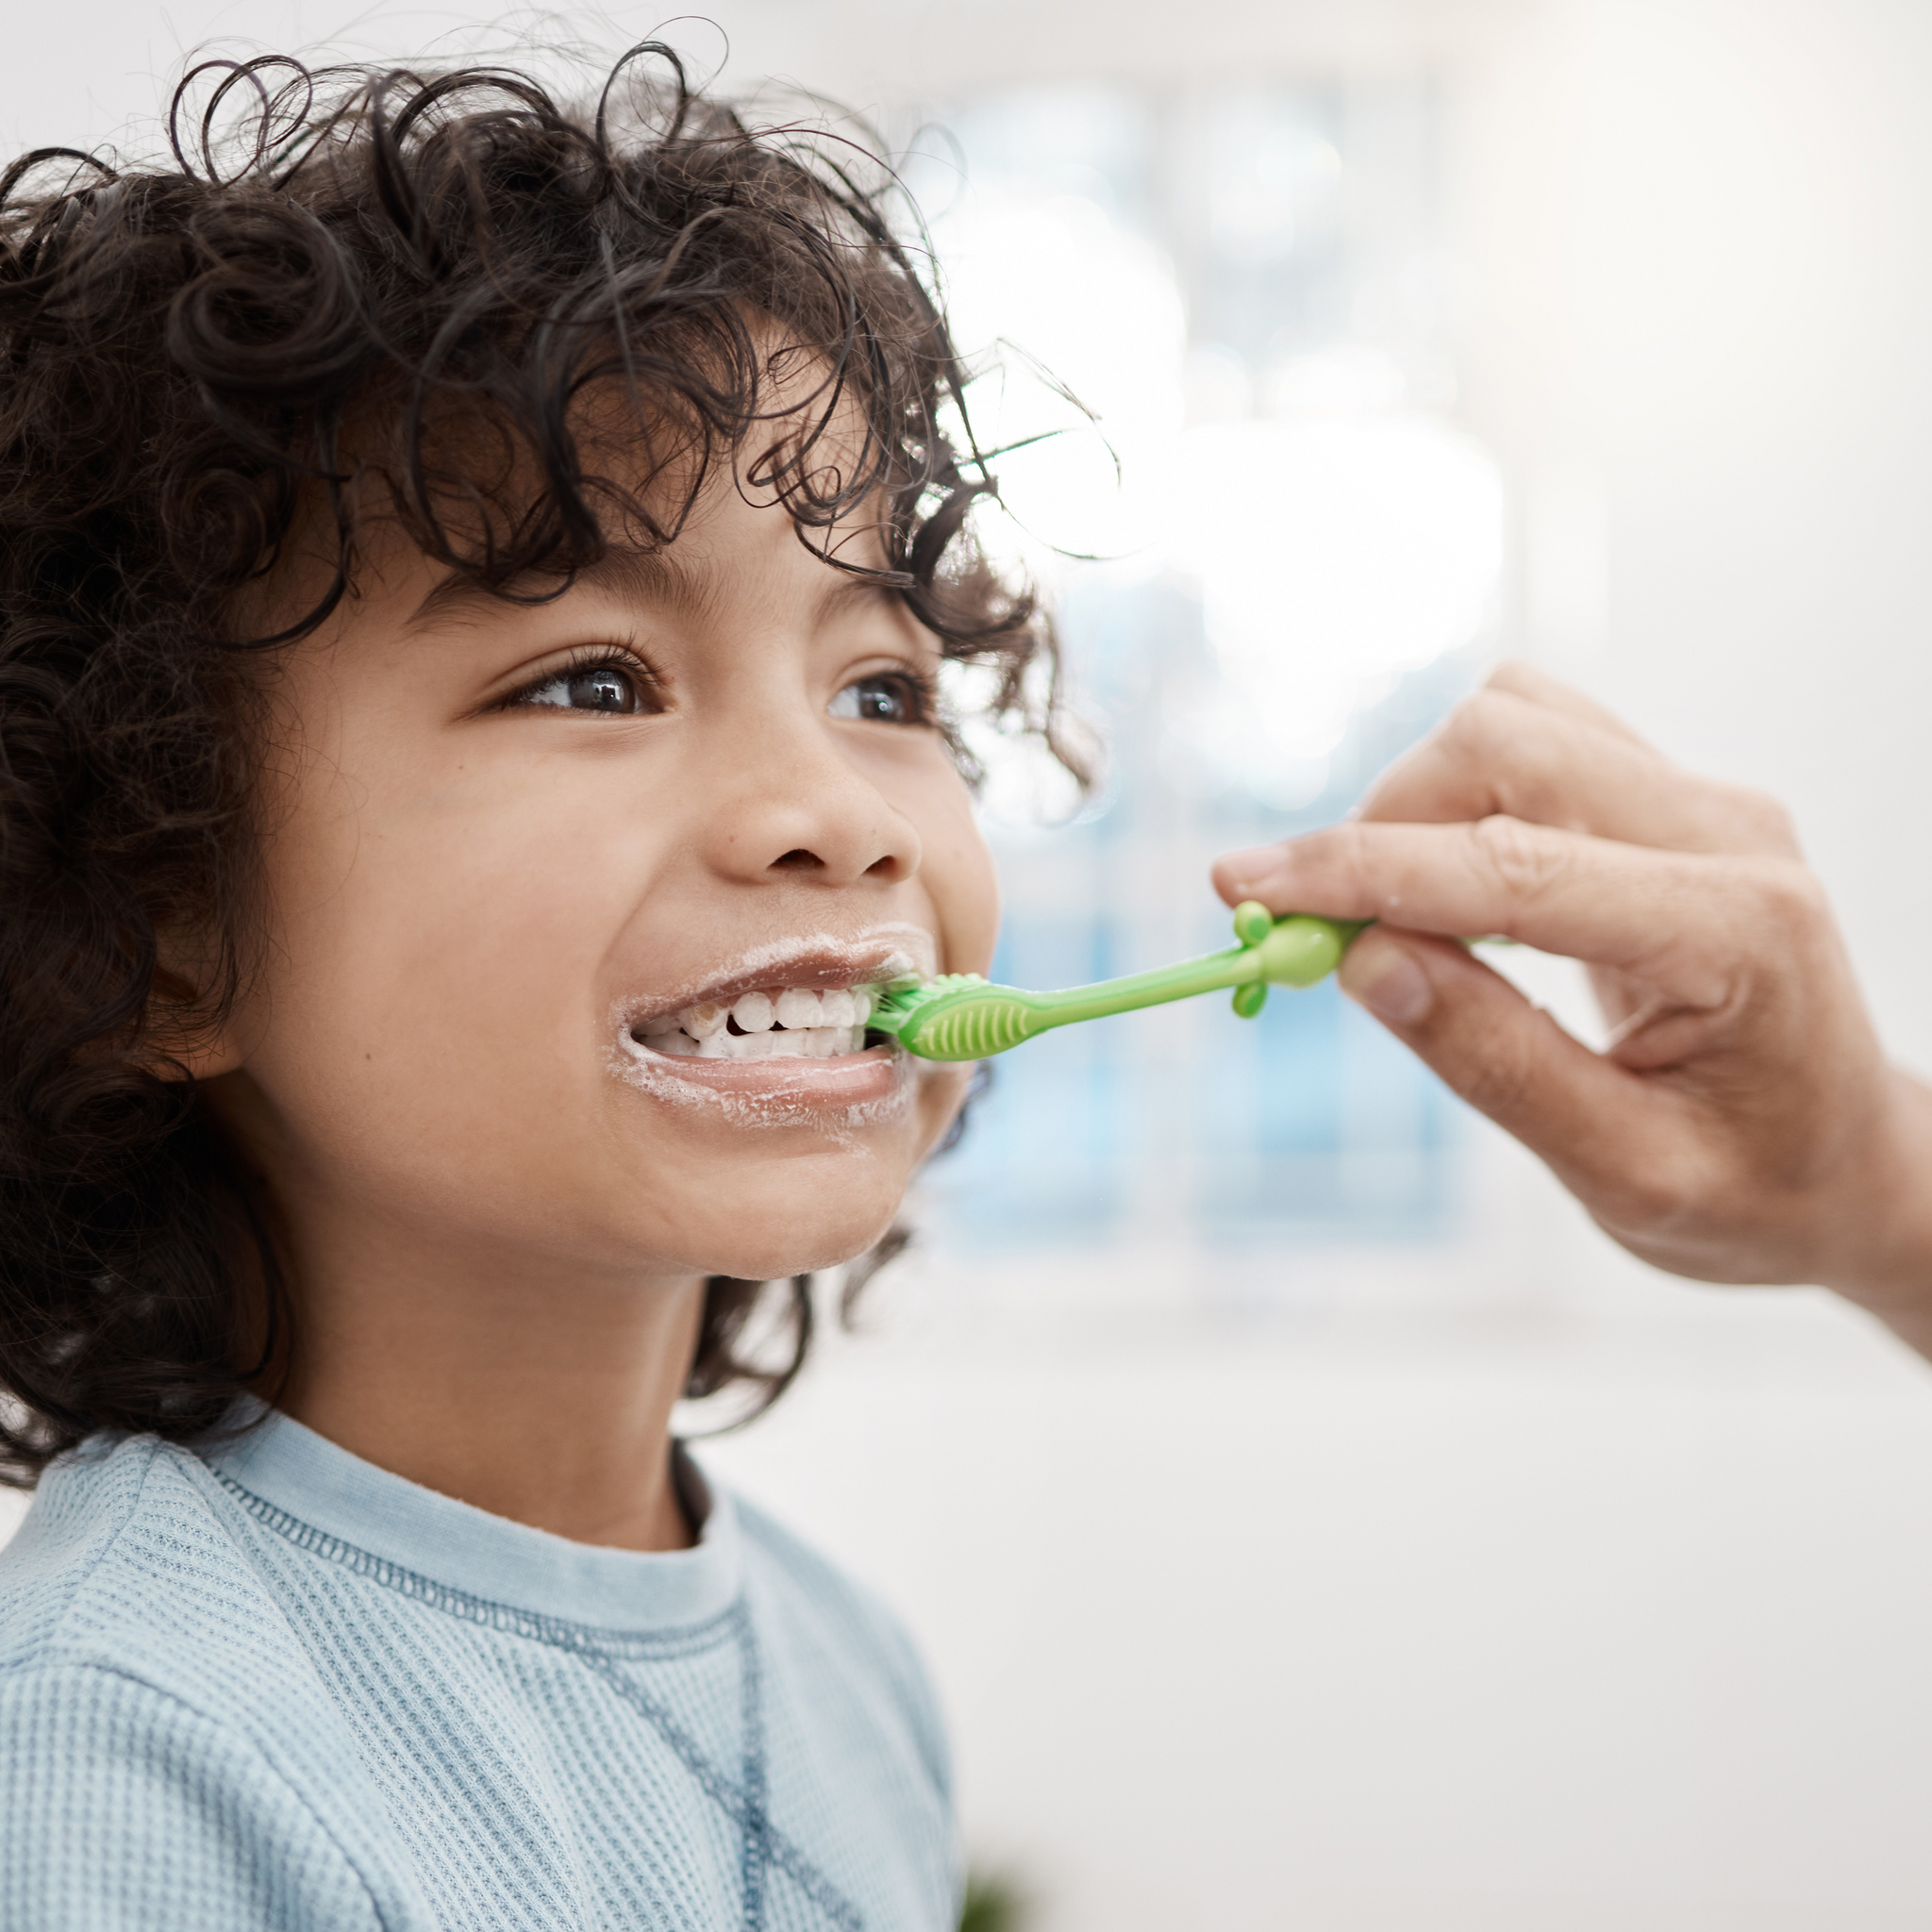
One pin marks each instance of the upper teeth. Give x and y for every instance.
(798, 1020)
(701, 1021)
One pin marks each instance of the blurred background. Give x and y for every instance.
(1311, 1520)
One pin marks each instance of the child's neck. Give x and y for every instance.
(544, 1402)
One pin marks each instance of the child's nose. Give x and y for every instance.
(813, 818)
(802, 858)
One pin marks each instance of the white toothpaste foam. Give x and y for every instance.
(658, 1075)
(908, 953)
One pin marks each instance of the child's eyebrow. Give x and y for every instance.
(625, 570)
(632, 574)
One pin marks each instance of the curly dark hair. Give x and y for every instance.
(342, 294)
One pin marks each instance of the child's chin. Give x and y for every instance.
(800, 1251)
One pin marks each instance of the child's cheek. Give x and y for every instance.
(943, 1092)
(965, 890)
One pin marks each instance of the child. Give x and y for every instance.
(476, 577)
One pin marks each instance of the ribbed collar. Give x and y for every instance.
(304, 1475)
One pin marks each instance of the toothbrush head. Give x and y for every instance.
(959, 1016)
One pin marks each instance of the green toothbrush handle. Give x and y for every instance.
(961, 1017)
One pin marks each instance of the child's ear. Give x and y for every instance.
(183, 1038)
(211, 1052)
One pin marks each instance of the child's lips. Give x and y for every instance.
(817, 964)
(785, 1083)
(842, 1080)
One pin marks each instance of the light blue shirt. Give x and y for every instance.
(280, 1688)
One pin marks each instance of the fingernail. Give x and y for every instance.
(1388, 981)
(1247, 870)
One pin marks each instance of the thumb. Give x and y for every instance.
(1510, 1060)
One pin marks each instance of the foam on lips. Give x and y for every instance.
(793, 1022)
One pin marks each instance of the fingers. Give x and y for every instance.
(1502, 752)
(1603, 1128)
(1539, 688)
(1679, 920)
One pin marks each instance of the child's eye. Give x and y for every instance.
(606, 687)
(892, 698)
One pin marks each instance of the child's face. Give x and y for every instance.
(508, 845)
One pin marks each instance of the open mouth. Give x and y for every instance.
(779, 1023)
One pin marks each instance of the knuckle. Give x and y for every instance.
(1651, 1196)
(1351, 847)
(1761, 818)
(1525, 859)
(1483, 729)
(1790, 901)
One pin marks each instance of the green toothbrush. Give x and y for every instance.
(961, 1016)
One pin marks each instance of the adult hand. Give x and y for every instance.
(1742, 1124)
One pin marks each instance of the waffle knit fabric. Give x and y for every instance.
(277, 1687)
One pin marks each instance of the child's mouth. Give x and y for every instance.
(794, 1022)
(778, 1037)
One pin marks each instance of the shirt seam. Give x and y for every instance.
(598, 1650)
(561, 1633)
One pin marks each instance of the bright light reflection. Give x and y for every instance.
(1057, 289)
(1338, 544)
(1334, 556)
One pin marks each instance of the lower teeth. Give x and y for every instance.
(810, 1042)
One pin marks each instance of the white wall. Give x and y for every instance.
(1410, 1630)
(1704, 231)
(1508, 1585)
